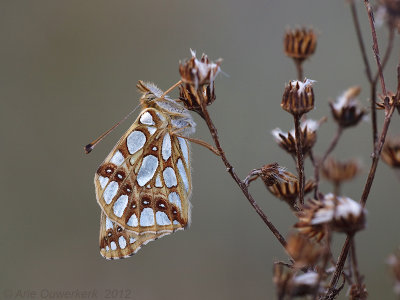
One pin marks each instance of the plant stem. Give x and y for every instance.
(319, 164)
(299, 68)
(231, 171)
(300, 158)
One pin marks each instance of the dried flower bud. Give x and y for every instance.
(358, 292)
(394, 263)
(304, 252)
(287, 140)
(346, 110)
(389, 10)
(199, 72)
(300, 44)
(189, 96)
(391, 152)
(298, 97)
(289, 191)
(337, 171)
(290, 285)
(342, 214)
(392, 101)
(273, 173)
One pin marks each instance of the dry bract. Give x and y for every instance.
(190, 97)
(289, 285)
(346, 110)
(300, 44)
(391, 152)
(298, 97)
(289, 191)
(199, 72)
(393, 100)
(390, 10)
(273, 174)
(304, 252)
(341, 214)
(337, 171)
(287, 140)
(358, 292)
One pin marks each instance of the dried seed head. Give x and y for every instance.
(190, 97)
(273, 173)
(287, 140)
(393, 100)
(341, 214)
(298, 97)
(389, 10)
(358, 292)
(289, 285)
(394, 263)
(199, 72)
(300, 44)
(304, 252)
(289, 191)
(346, 110)
(391, 152)
(337, 171)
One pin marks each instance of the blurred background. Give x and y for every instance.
(68, 71)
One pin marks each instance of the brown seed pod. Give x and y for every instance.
(300, 44)
(298, 97)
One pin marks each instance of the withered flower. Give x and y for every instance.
(394, 263)
(389, 11)
(298, 97)
(289, 285)
(287, 140)
(198, 78)
(339, 171)
(392, 101)
(341, 214)
(300, 44)
(289, 191)
(304, 252)
(189, 96)
(391, 152)
(199, 72)
(358, 292)
(346, 110)
(274, 173)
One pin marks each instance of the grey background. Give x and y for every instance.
(68, 71)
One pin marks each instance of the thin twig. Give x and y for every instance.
(299, 68)
(354, 263)
(300, 158)
(231, 171)
(318, 164)
(360, 40)
(388, 51)
(375, 46)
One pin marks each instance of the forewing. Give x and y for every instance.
(144, 184)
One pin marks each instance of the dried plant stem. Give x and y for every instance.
(300, 157)
(318, 164)
(339, 267)
(375, 46)
(299, 68)
(354, 263)
(372, 81)
(364, 197)
(231, 171)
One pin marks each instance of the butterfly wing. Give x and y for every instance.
(144, 184)
(116, 242)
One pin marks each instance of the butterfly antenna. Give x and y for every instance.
(171, 88)
(89, 147)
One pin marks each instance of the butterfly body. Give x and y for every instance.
(144, 185)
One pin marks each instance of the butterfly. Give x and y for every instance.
(144, 185)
